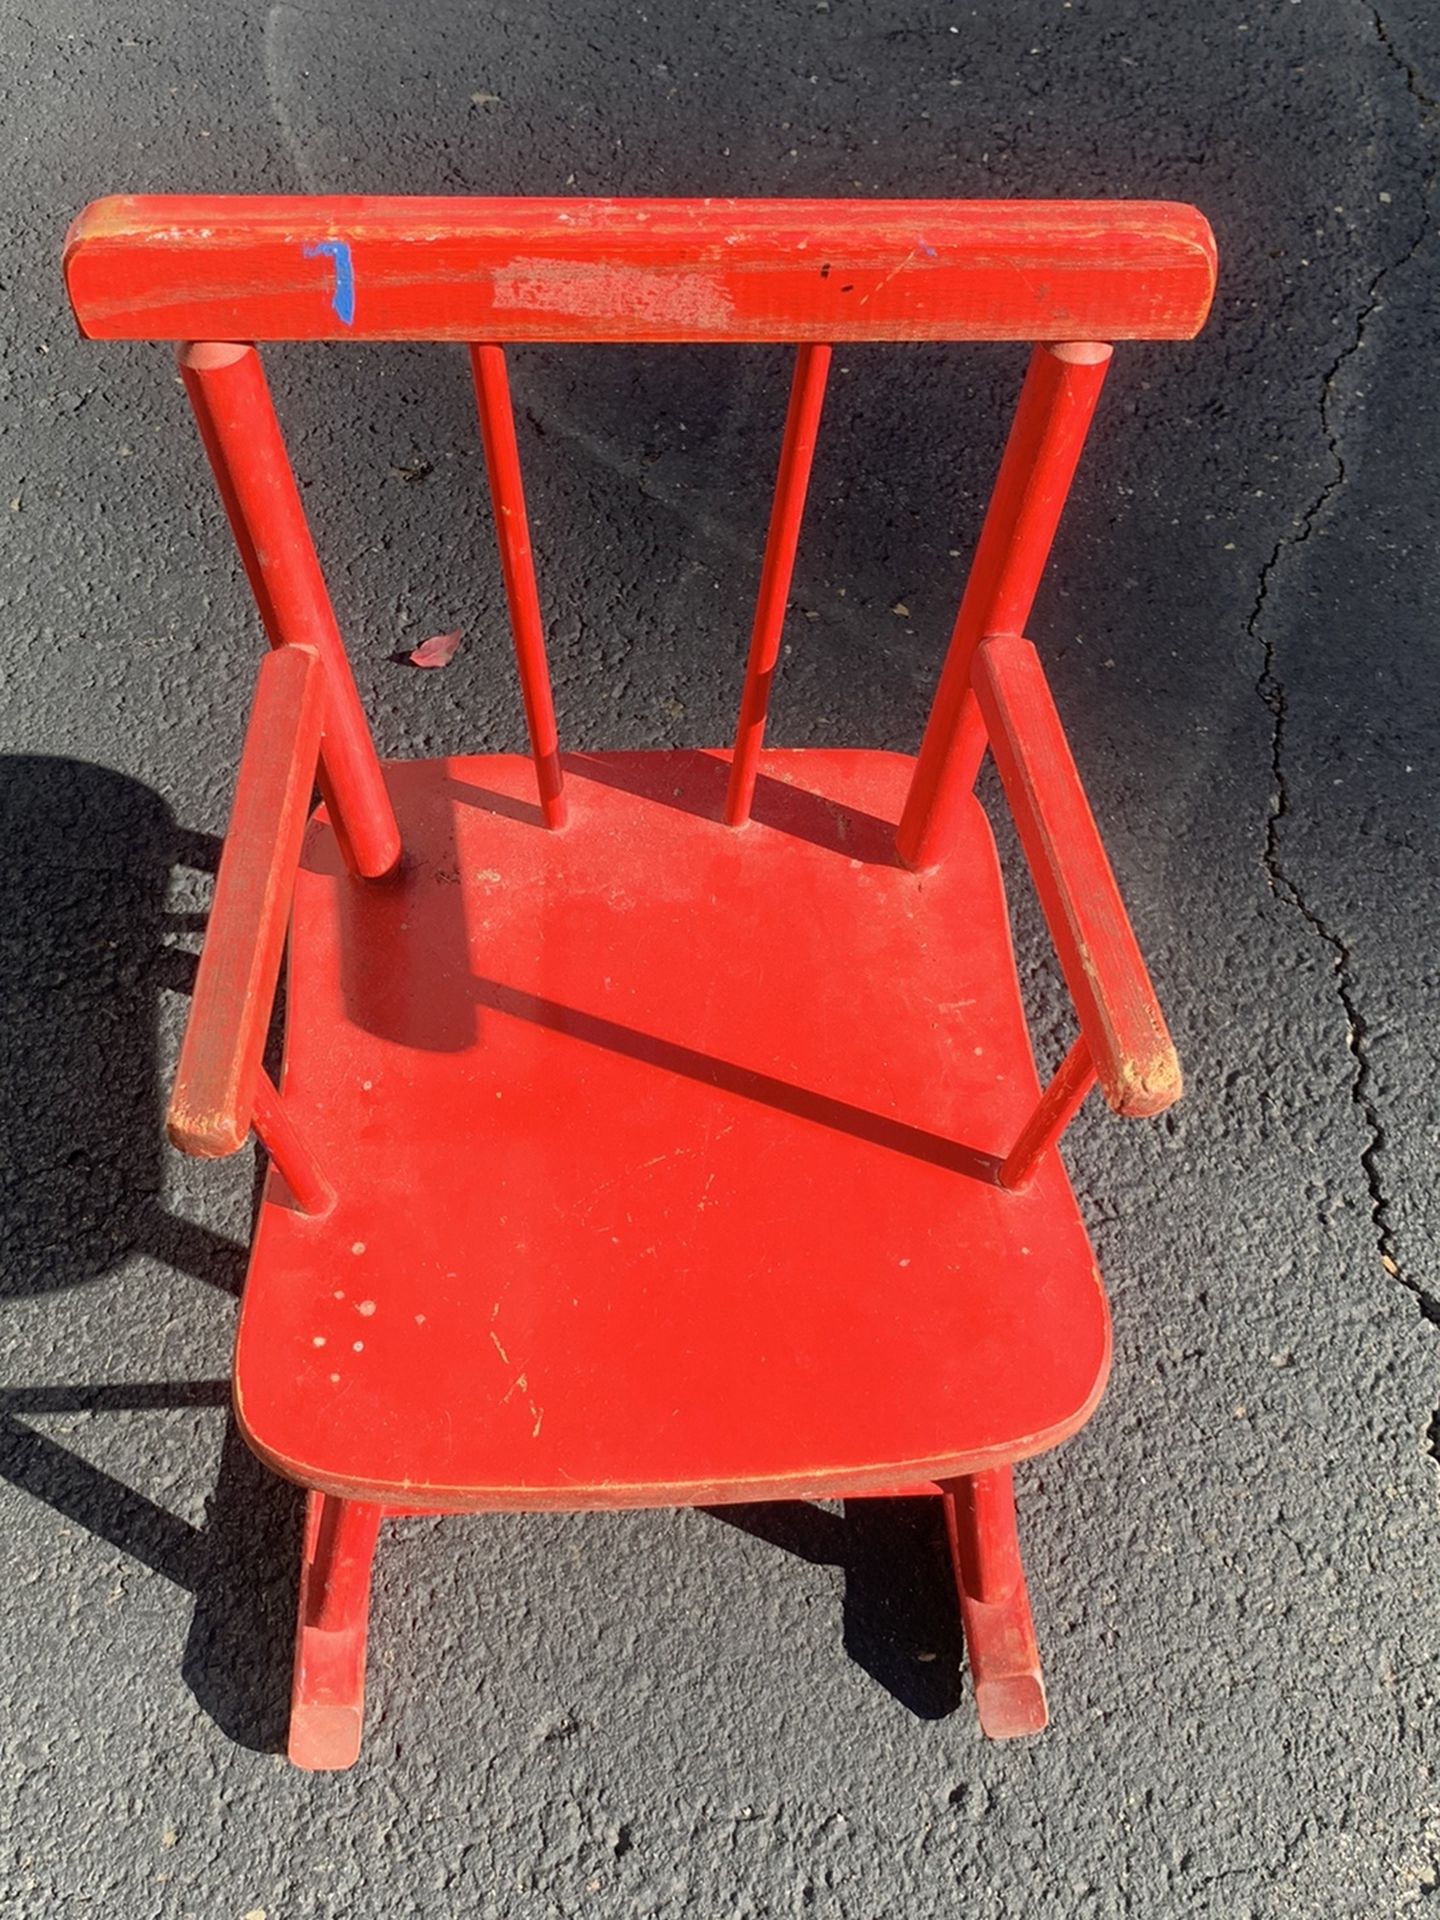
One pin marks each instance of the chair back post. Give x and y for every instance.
(1052, 417)
(233, 409)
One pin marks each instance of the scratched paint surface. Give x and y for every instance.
(649, 269)
(692, 301)
(634, 1101)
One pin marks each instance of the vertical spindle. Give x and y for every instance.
(797, 451)
(512, 531)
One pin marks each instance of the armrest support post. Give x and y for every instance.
(279, 1136)
(1056, 1108)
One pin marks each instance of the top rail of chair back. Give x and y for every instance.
(256, 268)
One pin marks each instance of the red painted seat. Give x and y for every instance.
(654, 1128)
(649, 1193)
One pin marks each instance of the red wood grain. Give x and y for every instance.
(1119, 1016)
(335, 268)
(215, 1085)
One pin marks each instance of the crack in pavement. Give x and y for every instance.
(1271, 689)
(1428, 103)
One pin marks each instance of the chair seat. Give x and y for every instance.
(665, 1153)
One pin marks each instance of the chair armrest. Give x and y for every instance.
(1119, 1017)
(214, 1094)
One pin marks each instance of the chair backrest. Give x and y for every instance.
(221, 273)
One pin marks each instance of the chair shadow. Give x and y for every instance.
(88, 856)
(466, 794)
(241, 1566)
(85, 866)
(694, 781)
(764, 1088)
(440, 1016)
(901, 1617)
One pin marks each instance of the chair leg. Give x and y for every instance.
(994, 1604)
(327, 1702)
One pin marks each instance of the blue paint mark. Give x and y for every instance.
(343, 298)
(929, 252)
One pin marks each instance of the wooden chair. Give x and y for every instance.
(655, 1128)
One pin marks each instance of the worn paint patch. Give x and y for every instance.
(590, 291)
(338, 252)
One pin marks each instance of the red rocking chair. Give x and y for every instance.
(655, 1128)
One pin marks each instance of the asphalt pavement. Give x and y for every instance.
(761, 1713)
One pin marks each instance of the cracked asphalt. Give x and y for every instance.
(763, 1712)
